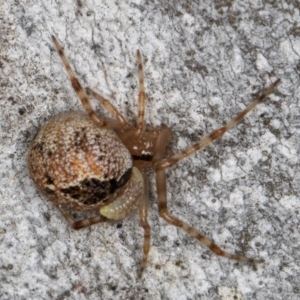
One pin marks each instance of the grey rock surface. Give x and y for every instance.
(204, 62)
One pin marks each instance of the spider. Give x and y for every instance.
(86, 163)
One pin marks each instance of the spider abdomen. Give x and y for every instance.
(128, 201)
(77, 163)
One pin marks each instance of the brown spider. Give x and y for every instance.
(86, 163)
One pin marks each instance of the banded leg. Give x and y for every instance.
(168, 163)
(162, 140)
(142, 98)
(77, 86)
(163, 212)
(108, 106)
(83, 223)
(143, 213)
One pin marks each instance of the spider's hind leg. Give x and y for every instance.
(82, 223)
(163, 212)
(143, 213)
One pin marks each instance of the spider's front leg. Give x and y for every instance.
(160, 165)
(168, 163)
(140, 127)
(163, 212)
(81, 94)
(109, 107)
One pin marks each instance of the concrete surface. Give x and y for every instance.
(203, 63)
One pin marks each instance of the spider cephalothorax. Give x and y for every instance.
(86, 163)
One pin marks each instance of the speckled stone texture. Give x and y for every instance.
(204, 61)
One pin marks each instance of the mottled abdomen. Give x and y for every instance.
(78, 164)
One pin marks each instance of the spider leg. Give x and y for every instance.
(163, 212)
(162, 140)
(83, 223)
(168, 163)
(142, 98)
(77, 86)
(108, 106)
(143, 213)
